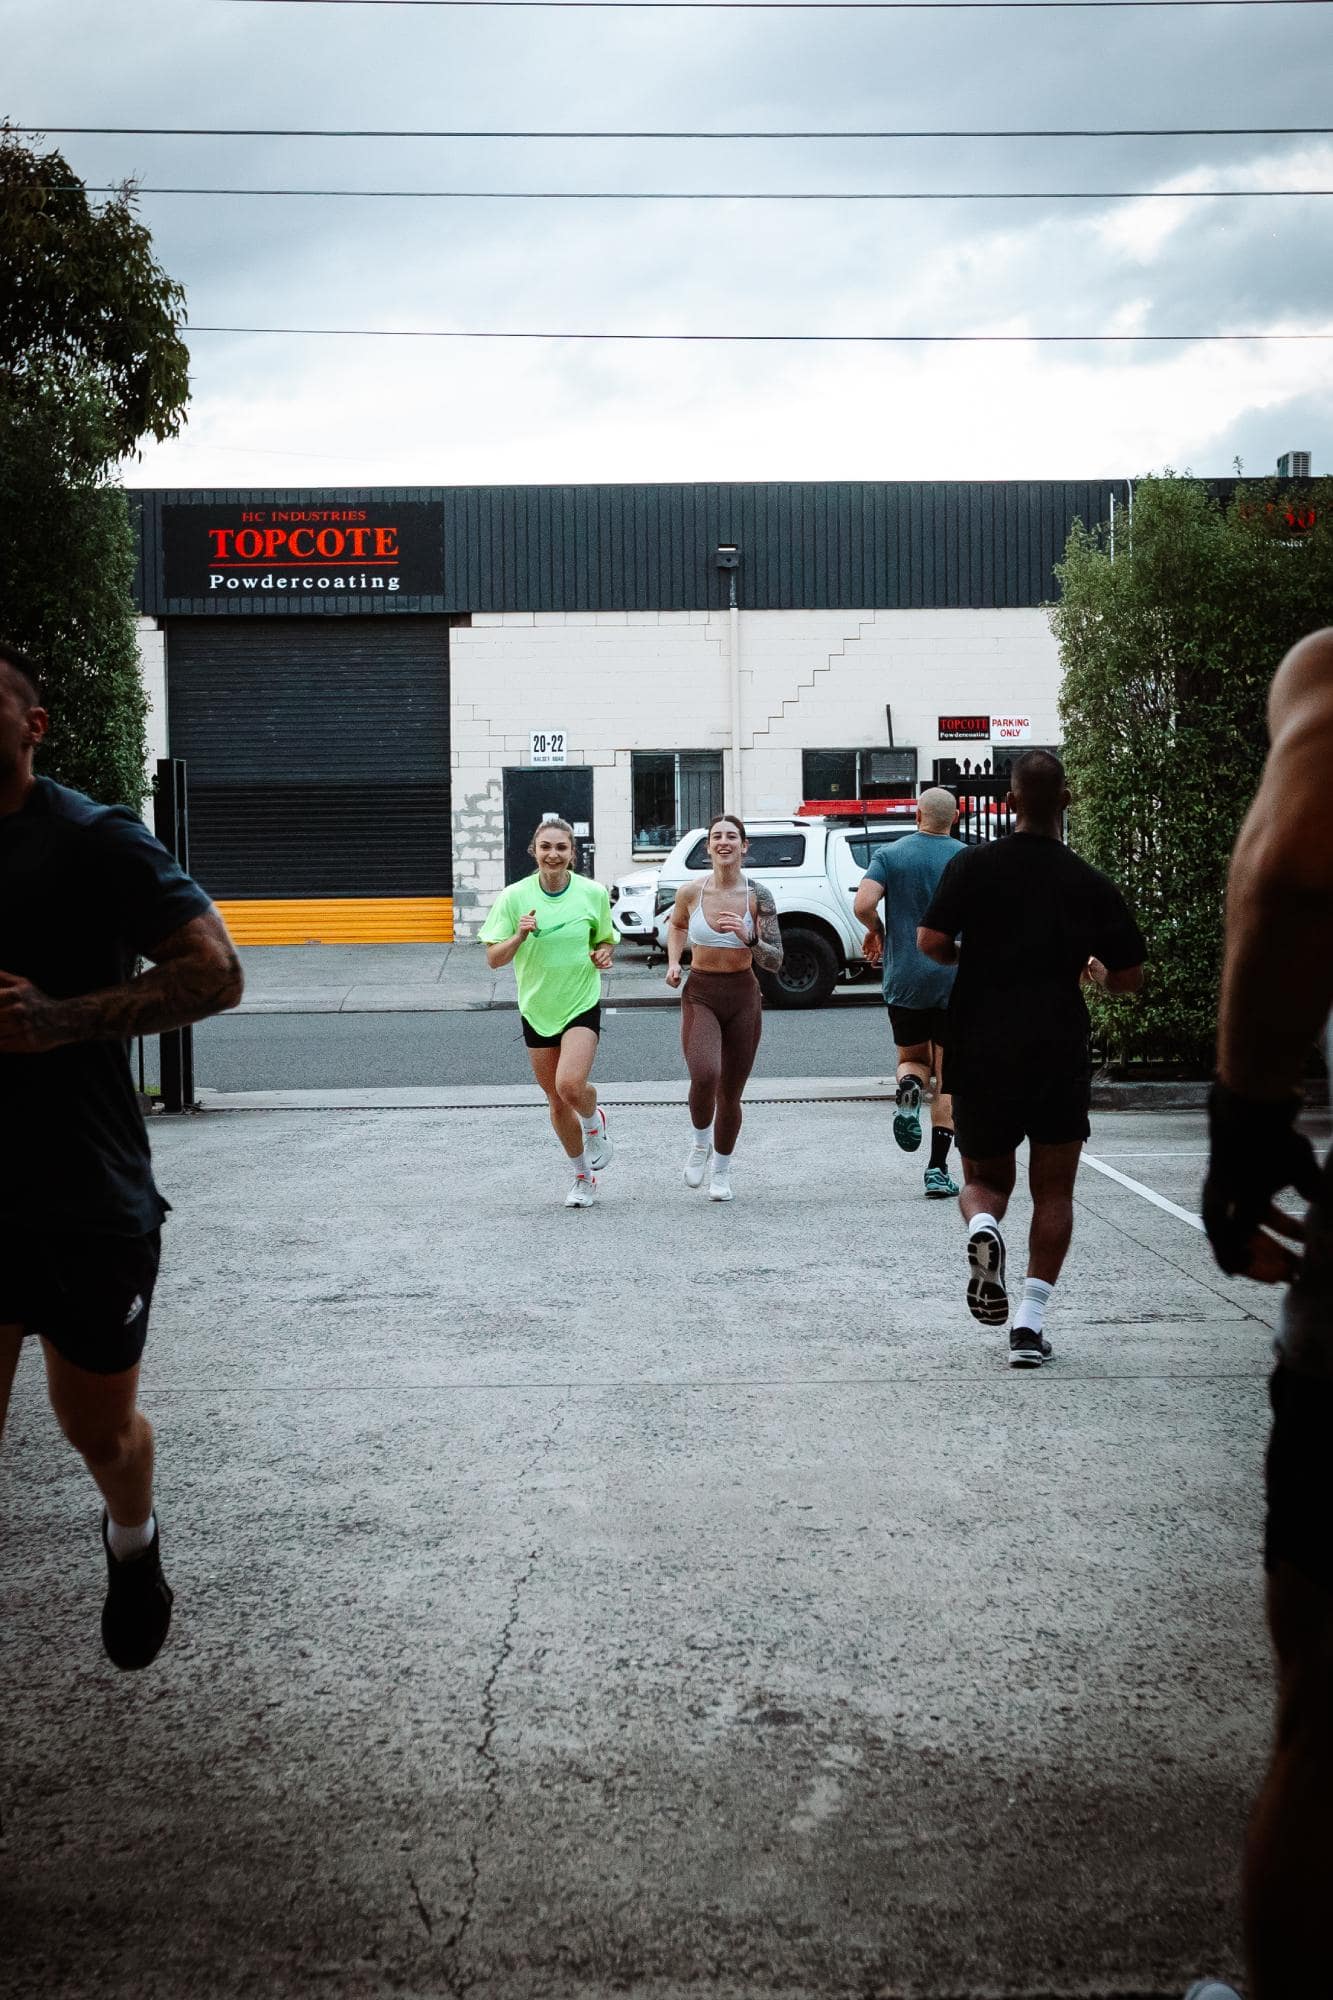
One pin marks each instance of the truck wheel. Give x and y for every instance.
(808, 973)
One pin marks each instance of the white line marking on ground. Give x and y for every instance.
(1200, 1154)
(1149, 1194)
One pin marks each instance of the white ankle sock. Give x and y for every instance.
(593, 1126)
(982, 1221)
(1036, 1298)
(126, 1542)
(721, 1165)
(580, 1165)
(703, 1136)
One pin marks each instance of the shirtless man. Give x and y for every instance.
(85, 892)
(1277, 990)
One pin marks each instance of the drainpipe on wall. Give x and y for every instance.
(728, 558)
(734, 649)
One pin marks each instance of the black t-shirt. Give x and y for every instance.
(1028, 915)
(85, 890)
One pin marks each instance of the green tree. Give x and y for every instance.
(67, 592)
(84, 301)
(1168, 648)
(91, 361)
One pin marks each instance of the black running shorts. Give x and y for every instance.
(1299, 1528)
(914, 1025)
(88, 1295)
(590, 1018)
(992, 1115)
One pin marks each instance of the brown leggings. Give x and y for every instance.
(721, 1020)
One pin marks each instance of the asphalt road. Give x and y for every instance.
(335, 1051)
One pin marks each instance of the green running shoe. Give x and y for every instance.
(938, 1184)
(907, 1118)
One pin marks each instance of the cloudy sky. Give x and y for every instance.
(309, 412)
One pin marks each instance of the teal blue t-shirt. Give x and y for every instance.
(907, 870)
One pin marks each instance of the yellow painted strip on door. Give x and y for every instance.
(342, 920)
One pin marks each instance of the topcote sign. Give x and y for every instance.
(231, 551)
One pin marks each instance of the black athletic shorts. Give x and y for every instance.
(1299, 1528)
(590, 1018)
(993, 1114)
(88, 1295)
(914, 1025)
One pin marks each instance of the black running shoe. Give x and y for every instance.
(137, 1611)
(987, 1300)
(1026, 1348)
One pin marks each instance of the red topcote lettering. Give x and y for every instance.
(274, 545)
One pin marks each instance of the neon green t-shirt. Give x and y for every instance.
(557, 979)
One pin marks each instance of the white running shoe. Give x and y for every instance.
(597, 1145)
(582, 1192)
(696, 1165)
(719, 1187)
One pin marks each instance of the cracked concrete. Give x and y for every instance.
(646, 1600)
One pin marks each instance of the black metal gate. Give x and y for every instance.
(984, 811)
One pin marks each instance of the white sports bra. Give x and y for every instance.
(702, 932)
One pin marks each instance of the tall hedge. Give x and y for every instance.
(1168, 645)
(67, 588)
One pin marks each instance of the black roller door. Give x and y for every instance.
(318, 754)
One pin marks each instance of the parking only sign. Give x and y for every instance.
(548, 746)
(1011, 729)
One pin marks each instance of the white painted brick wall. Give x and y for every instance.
(152, 643)
(618, 682)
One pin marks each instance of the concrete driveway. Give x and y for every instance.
(661, 1598)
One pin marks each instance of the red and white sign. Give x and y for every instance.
(1011, 729)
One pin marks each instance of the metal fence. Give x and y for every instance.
(984, 811)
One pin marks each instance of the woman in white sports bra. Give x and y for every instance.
(731, 926)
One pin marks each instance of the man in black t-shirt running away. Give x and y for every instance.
(1026, 922)
(85, 891)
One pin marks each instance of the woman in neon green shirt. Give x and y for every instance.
(554, 928)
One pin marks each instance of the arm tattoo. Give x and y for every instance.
(767, 947)
(198, 974)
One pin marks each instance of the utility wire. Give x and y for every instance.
(790, 339)
(661, 194)
(803, 6)
(380, 132)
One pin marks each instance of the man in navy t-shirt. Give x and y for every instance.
(904, 873)
(85, 893)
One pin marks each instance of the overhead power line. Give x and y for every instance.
(739, 339)
(381, 132)
(802, 6)
(692, 194)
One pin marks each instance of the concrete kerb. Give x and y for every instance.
(1106, 1096)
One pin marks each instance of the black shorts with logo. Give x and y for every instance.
(88, 1295)
(914, 1025)
(591, 1017)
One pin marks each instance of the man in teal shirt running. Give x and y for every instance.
(903, 874)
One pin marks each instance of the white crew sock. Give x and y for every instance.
(703, 1136)
(982, 1221)
(579, 1165)
(1036, 1297)
(126, 1542)
(721, 1165)
(593, 1125)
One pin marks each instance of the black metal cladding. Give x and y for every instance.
(318, 753)
(814, 545)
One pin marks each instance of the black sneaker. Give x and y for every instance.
(987, 1300)
(1026, 1348)
(137, 1611)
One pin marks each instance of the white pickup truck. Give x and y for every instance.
(814, 868)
